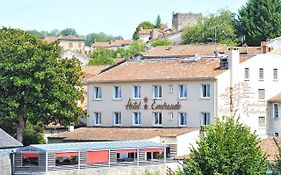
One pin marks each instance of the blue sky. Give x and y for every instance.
(116, 17)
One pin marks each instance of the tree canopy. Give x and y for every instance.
(68, 31)
(260, 20)
(142, 25)
(218, 28)
(162, 42)
(36, 84)
(101, 37)
(158, 22)
(227, 147)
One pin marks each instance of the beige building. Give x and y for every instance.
(72, 43)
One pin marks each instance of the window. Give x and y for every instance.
(136, 92)
(275, 74)
(70, 45)
(157, 118)
(157, 91)
(97, 118)
(182, 119)
(117, 118)
(136, 118)
(117, 92)
(247, 74)
(261, 76)
(275, 110)
(205, 118)
(261, 94)
(262, 122)
(182, 91)
(205, 91)
(66, 158)
(30, 159)
(97, 93)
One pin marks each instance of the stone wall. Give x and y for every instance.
(135, 170)
(183, 20)
(5, 162)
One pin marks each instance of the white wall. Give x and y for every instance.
(193, 105)
(185, 141)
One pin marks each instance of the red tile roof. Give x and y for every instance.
(50, 39)
(160, 70)
(113, 133)
(145, 32)
(115, 43)
(276, 98)
(91, 71)
(71, 38)
(270, 147)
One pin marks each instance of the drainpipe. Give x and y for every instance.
(79, 160)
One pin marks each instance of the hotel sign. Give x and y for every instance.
(154, 105)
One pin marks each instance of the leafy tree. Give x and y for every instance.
(36, 84)
(37, 34)
(68, 31)
(227, 147)
(33, 134)
(54, 32)
(137, 47)
(218, 28)
(142, 25)
(102, 56)
(161, 42)
(260, 20)
(158, 22)
(101, 37)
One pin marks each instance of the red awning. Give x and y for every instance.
(97, 156)
(154, 150)
(66, 154)
(127, 151)
(27, 155)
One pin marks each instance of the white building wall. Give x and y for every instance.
(193, 105)
(186, 141)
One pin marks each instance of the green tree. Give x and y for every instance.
(218, 28)
(37, 34)
(227, 147)
(68, 31)
(142, 25)
(102, 56)
(101, 37)
(162, 42)
(158, 22)
(33, 134)
(36, 84)
(260, 20)
(136, 47)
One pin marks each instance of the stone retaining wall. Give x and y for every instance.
(5, 162)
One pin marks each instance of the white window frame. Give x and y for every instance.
(138, 115)
(184, 122)
(275, 74)
(117, 93)
(274, 111)
(205, 118)
(182, 91)
(261, 96)
(157, 91)
(247, 73)
(115, 116)
(97, 118)
(207, 88)
(159, 117)
(261, 74)
(138, 93)
(97, 93)
(260, 123)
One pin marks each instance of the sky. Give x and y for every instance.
(115, 17)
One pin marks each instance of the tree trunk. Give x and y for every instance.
(20, 129)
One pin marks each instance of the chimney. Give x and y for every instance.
(70, 128)
(264, 47)
(234, 58)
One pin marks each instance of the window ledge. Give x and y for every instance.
(97, 99)
(182, 98)
(205, 98)
(117, 99)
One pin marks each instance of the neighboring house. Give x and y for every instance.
(7, 145)
(144, 34)
(70, 54)
(72, 43)
(274, 110)
(114, 45)
(273, 43)
(122, 157)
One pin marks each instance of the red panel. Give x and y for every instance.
(66, 154)
(26, 155)
(154, 150)
(127, 151)
(97, 157)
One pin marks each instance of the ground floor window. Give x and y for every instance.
(66, 158)
(30, 159)
(261, 121)
(205, 118)
(129, 155)
(154, 155)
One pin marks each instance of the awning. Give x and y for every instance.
(30, 155)
(154, 150)
(66, 154)
(127, 151)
